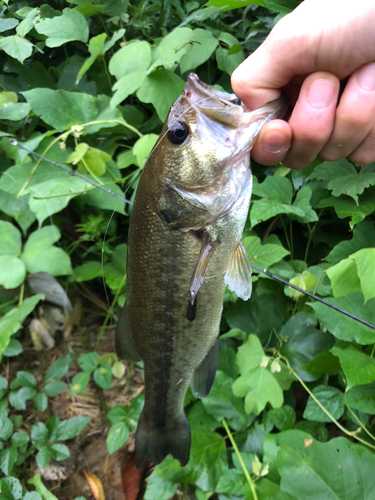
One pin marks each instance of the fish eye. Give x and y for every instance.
(236, 101)
(178, 132)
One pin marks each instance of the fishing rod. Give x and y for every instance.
(13, 142)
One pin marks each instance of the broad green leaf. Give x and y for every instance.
(363, 237)
(127, 85)
(250, 354)
(101, 200)
(36, 481)
(68, 429)
(59, 451)
(302, 201)
(54, 388)
(283, 418)
(18, 398)
(115, 272)
(14, 112)
(117, 436)
(12, 271)
(134, 57)
(23, 379)
(40, 255)
(3, 386)
(96, 49)
(331, 398)
(143, 147)
(10, 243)
(199, 419)
(28, 23)
(41, 401)
(266, 254)
(7, 459)
(125, 159)
(362, 398)
(88, 271)
(352, 185)
(58, 369)
(20, 438)
(233, 4)
(343, 327)
(80, 382)
(358, 367)
(161, 89)
(344, 278)
(170, 50)
(70, 26)
(88, 362)
(161, 484)
(323, 363)
(103, 376)
(6, 428)
(203, 46)
(117, 35)
(16, 47)
(259, 387)
(231, 482)
(337, 470)
(43, 457)
(62, 109)
(365, 260)
(221, 403)
(39, 434)
(11, 322)
(17, 208)
(32, 495)
(227, 61)
(7, 24)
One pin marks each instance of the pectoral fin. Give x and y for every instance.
(125, 347)
(238, 276)
(204, 374)
(207, 250)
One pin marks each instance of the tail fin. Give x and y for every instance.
(155, 443)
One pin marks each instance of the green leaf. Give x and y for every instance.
(331, 398)
(134, 57)
(11, 488)
(40, 255)
(227, 61)
(7, 460)
(231, 482)
(127, 85)
(20, 438)
(62, 29)
(41, 401)
(43, 457)
(259, 387)
(306, 281)
(281, 6)
(344, 278)
(343, 327)
(363, 237)
(16, 47)
(10, 243)
(18, 398)
(283, 418)
(68, 429)
(62, 109)
(115, 272)
(23, 379)
(365, 260)
(55, 388)
(143, 147)
(161, 88)
(199, 419)
(266, 254)
(7, 24)
(40, 488)
(12, 271)
(14, 112)
(221, 403)
(329, 471)
(28, 23)
(32, 495)
(88, 271)
(233, 4)
(39, 434)
(96, 49)
(159, 484)
(3, 386)
(6, 428)
(58, 369)
(14, 348)
(103, 376)
(202, 47)
(80, 382)
(362, 398)
(88, 362)
(358, 367)
(117, 436)
(17, 208)
(250, 354)
(59, 451)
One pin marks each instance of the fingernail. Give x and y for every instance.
(366, 77)
(276, 144)
(320, 93)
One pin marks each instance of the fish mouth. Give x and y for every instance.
(219, 105)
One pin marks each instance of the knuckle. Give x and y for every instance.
(363, 156)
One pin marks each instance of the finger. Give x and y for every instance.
(355, 116)
(365, 152)
(312, 119)
(273, 142)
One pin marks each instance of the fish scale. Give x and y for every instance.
(187, 220)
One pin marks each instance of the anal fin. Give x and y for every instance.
(206, 252)
(204, 374)
(125, 347)
(238, 275)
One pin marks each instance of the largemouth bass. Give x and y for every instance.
(184, 247)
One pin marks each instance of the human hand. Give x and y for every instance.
(306, 56)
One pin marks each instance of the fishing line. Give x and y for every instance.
(263, 271)
(342, 311)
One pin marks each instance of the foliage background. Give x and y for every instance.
(88, 84)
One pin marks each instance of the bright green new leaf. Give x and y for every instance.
(79, 152)
(143, 147)
(36, 481)
(10, 241)
(250, 354)
(12, 271)
(358, 367)
(96, 49)
(62, 29)
(16, 47)
(62, 109)
(344, 278)
(134, 57)
(28, 23)
(161, 89)
(365, 260)
(203, 45)
(306, 281)
(127, 85)
(331, 398)
(117, 436)
(115, 37)
(126, 158)
(264, 254)
(259, 387)
(362, 398)
(343, 327)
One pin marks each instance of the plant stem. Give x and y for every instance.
(238, 454)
